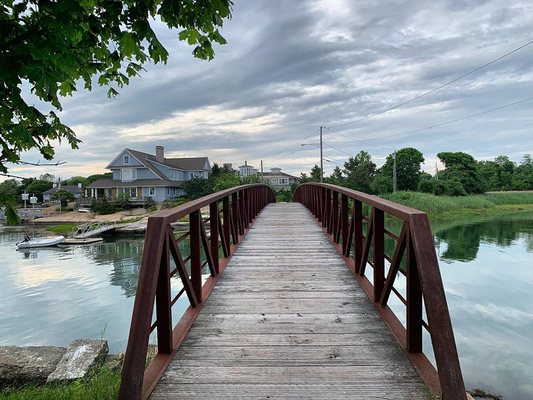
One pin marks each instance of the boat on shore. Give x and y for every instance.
(29, 243)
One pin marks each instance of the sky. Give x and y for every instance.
(291, 66)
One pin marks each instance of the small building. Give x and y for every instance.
(279, 180)
(247, 170)
(76, 190)
(142, 176)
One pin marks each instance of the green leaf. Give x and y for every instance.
(127, 44)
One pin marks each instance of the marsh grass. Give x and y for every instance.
(446, 206)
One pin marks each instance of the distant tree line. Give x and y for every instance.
(12, 188)
(462, 174)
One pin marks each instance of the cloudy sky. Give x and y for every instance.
(291, 66)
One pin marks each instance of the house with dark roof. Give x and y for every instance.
(76, 190)
(279, 180)
(142, 175)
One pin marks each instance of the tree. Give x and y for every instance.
(408, 161)
(9, 188)
(314, 175)
(37, 187)
(53, 45)
(75, 180)
(523, 177)
(64, 196)
(195, 188)
(336, 177)
(95, 177)
(225, 181)
(360, 171)
(462, 168)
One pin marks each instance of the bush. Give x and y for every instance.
(123, 200)
(171, 203)
(102, 206)
(149, 204)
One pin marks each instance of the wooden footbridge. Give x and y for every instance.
(296, 302)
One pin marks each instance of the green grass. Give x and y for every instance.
(450, 207)
(63, 229)
(102, 386)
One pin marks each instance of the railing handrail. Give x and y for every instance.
(422, 274)
(197, 204)
(390, 207)
(240, 205)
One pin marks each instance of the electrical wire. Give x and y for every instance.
(435, 89)
(275, 156)
(451, 121)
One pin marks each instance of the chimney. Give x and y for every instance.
(160, 154)
(80, 185)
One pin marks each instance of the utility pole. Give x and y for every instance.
(262, 180)
(436, 171)
(321, 158)
(394, 177)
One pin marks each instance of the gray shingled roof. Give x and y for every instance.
(189, 164)
(111, 183)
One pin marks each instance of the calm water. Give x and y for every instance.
(53, 296)
(487, 268)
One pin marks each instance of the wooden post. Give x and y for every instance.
(213, 227)
(196, 262)
(379, 253)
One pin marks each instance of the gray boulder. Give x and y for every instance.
(21, 365)
(81, 358)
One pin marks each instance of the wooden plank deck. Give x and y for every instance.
(288, 320)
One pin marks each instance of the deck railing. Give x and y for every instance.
(231, 212)
(364, 242)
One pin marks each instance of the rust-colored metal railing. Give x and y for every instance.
(364, 242)
(231, 212)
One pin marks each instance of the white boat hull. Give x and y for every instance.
(41, 242)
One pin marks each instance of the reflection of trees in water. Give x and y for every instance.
(125, 255)
(463, 240)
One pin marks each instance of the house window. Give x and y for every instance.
(126, 159)
(129, 174)
(151, 191)
(131, 191)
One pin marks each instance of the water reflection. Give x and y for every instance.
(488, 276)
(463, 241)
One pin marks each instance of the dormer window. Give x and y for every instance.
(126, 159)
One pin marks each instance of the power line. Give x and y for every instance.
(358, 141)
(292, 146)
(437, 88)
(453, 120)
(339, 150)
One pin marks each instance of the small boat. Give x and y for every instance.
(29, 243)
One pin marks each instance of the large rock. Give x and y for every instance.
(80, 359)
(21, 365)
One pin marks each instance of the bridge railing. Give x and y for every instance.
(356, 222)
(231, 212)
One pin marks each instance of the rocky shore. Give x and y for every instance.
(47, 364)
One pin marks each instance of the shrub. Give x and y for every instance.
(102, 206)
(149, 204)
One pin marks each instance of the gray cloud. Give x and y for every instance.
(290, 67)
